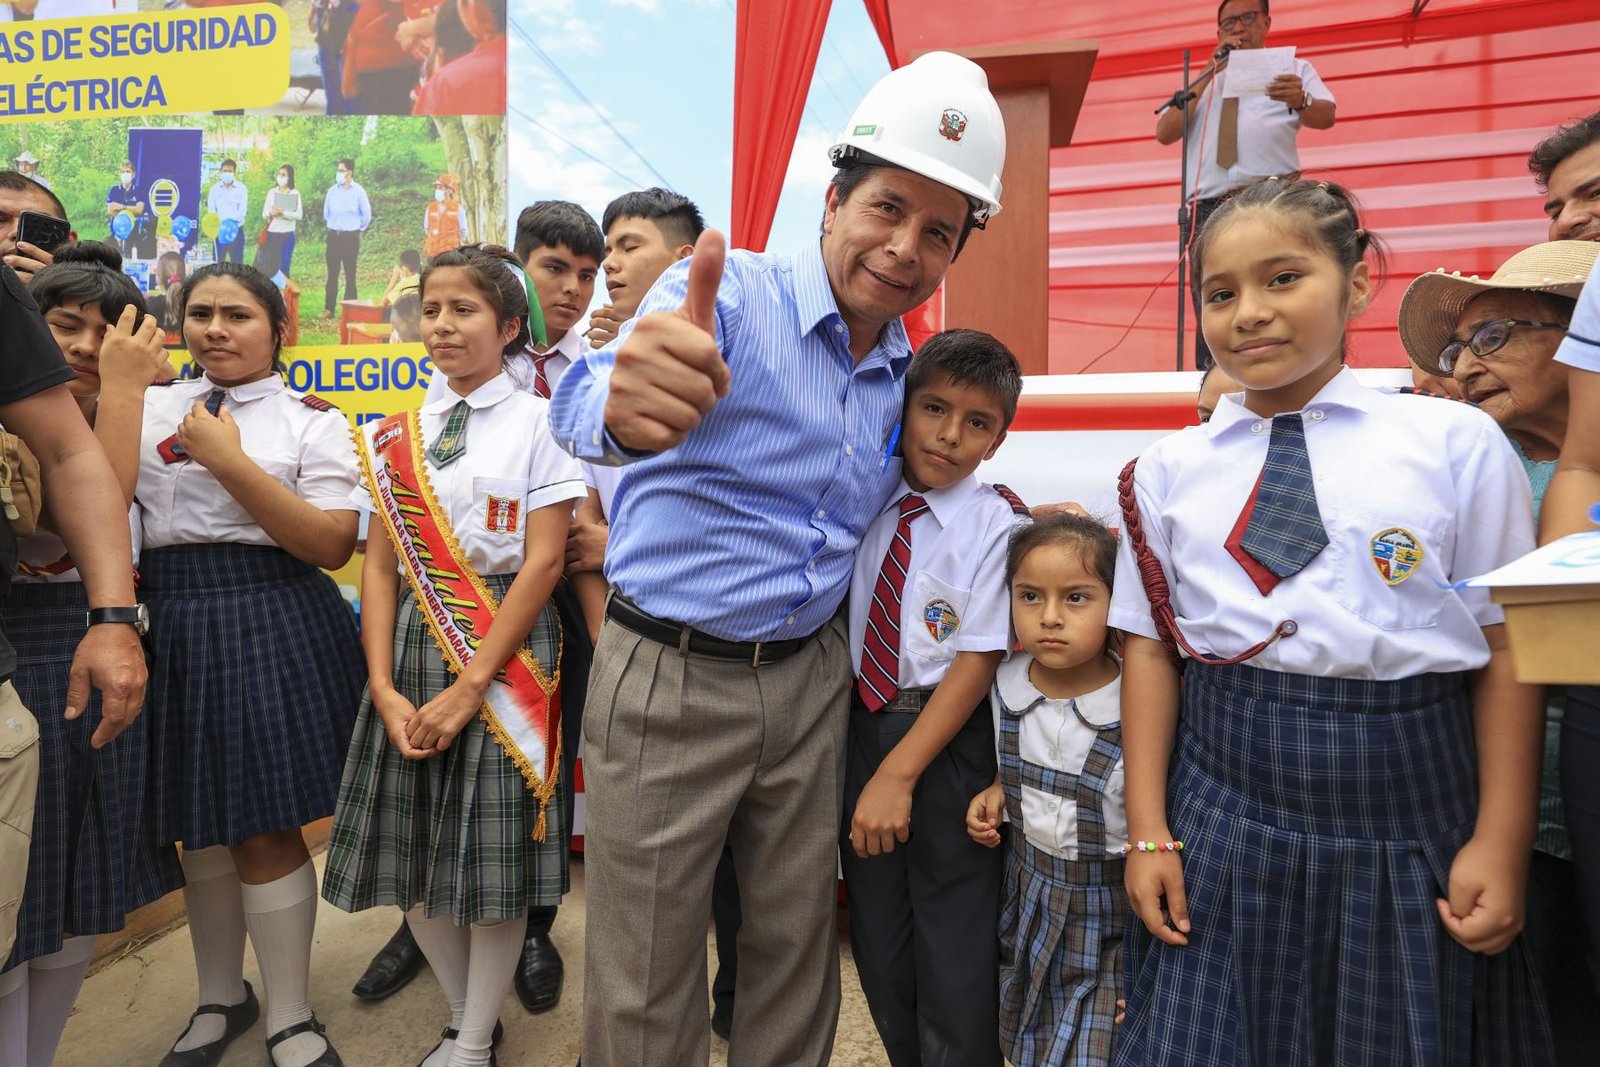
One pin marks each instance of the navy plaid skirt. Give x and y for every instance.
(1061, 929)
(1320, 817)
(453, 833)
(258, 672)
(88, 866)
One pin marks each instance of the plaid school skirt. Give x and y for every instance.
(258, 671)
(452, 833)
(88, 866)
(1319, 818)
(1061, 930)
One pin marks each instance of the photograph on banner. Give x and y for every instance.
(341, 212)
(376, 57)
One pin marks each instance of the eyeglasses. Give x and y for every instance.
(1489, 338)
(1230, 23)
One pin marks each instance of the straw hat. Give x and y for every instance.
(26, 157)
(1433, 304)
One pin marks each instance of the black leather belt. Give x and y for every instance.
(686, 639)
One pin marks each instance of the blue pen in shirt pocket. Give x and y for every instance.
(891, 449)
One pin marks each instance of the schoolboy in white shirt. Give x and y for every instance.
(929, 623)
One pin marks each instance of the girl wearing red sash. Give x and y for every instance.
(448, 808)
(88, 866)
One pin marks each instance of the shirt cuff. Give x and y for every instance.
(983, 643)
(332, 502)
(1134, 622)
(593, 441)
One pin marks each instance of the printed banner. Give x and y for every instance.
(144, 64)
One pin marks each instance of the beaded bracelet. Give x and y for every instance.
(1152, 846)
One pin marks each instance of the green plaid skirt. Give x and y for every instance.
(453, 833)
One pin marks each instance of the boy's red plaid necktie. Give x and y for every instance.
(541, 384)
(879, 678)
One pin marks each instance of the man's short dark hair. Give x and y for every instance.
(969, 357)
(230, 163)
(18, 182)
(848, 177)
(1551, 152)
(349, 165)
(549, 223)
(1225, 3)
(676, 216)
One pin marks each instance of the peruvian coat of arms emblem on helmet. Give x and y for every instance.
(952, 124)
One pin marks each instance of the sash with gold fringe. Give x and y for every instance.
(522, 705)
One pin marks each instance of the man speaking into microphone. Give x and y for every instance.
(1236, 140)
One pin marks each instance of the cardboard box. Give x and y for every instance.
(1552, 602)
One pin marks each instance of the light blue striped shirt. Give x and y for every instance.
(748, 529)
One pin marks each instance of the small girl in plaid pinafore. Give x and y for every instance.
(1057, 705)
(1346, 758)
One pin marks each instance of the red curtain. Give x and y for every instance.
(776, 52)
(878, 12)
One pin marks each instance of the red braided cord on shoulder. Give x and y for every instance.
(1156, 590)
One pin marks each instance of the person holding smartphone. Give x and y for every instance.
(19, 195)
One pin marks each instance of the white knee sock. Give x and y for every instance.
(447, 947)
(496, 948)
(14, 1017)
(53, 984)
(282, 918)
(216, 933)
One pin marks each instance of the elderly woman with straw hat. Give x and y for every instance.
(1496, 338)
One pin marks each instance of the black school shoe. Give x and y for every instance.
(240, 1017)
(329, 1057)
(395, 965)
(450, 1033)
(539, 974)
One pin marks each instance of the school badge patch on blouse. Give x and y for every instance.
(941, 619)
(502, 513)
(1397, 553)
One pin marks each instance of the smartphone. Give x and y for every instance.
(44, 232)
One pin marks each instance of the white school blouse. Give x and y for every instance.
(955, 598)
(510, 456)
(306, 447)
(569, 350)
(1430, 482)
(1050, 734)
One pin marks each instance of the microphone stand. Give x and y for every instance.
(1180, 100)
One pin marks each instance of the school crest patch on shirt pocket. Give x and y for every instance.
(1397, 553)
(941, 619)
(501, 514)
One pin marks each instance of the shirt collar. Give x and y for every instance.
(1342, 391)
(569, 348)
(486, 395)
(240, 394)
(1017, 691)
(945, 503)
(816, 304)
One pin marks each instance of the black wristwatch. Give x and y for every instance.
(137, 616)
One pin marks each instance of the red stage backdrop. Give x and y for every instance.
(1437, 113)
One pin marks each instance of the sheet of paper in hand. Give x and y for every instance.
(1251, 70)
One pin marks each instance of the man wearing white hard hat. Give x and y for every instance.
(756, 397)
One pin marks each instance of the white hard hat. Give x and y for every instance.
(934, 117)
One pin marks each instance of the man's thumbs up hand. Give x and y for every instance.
(670, 372)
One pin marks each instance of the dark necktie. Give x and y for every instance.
(879, 679)
(170, 450)
(452, 440)
(1280, 529)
